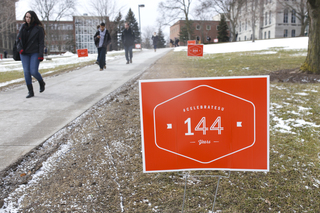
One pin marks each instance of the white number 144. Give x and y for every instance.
(202, 127)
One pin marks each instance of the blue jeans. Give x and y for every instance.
(128, 50)
(102, 56)
(30, 64)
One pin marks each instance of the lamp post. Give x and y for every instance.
(140, 5)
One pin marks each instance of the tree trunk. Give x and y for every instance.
(312, 62)
(48, 35)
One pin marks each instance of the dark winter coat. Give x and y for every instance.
(127, 37)
(106, 41)
(155, 40)
(31, 40)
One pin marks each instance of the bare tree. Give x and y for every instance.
(230, 9)
(7, 24)
(255, 9)
(252, 12)
(146, 36)
(172, 10)
(301, 12)
(312, 62)
(53, 10)
(105, 8)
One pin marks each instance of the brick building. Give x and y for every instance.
(202, 30)
(61, 35)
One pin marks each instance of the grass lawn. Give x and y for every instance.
(292, 185)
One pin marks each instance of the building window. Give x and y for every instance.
(270, 17)
(293, 16)
(285, 34)
(293, 33)
(266, 19)
(269, 34)
(246, 26)
(198, 27)
(285, 16)
(265, 35)
(240, 27)
(208, 27)
(245, 38)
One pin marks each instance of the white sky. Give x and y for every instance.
(148, 14)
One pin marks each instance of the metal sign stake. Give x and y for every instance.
(215, 196)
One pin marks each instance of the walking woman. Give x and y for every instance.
(155, 40)
(30, 45)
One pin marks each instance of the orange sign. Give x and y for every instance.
(82, 52)
(205, 124)
(195, 50)
(138, 46)
(191, 42)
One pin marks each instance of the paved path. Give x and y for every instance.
(26, 123)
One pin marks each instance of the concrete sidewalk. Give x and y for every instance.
(26, 123)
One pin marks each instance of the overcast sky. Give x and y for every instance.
(148, 14)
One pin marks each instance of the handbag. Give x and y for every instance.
(16, 54)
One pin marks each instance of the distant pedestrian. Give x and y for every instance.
(45, 50)
(171, 43)
(208, 39)
(155, 40)
(97, 62)
(5, 54)
(176, 42)
(102, 39)
(127, 38)
(30, 45)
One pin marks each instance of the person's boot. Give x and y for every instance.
(42, 85)
(30, 89)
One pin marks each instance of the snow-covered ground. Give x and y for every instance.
(286, 43)
(8, 65)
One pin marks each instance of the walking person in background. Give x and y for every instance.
(155, 40)
(45, 50)
(176, 42)
(102, 39)
(5, 54)
(30, 45)
(128, 41)
(171, 43)
(97, 62)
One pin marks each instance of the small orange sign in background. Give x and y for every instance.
(82, 52)
(205, 124)
(195, 50)
(191, 42)
(138, 46)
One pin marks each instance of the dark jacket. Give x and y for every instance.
(127, 37)
(106, 41)
(155, 40)
(34, 43)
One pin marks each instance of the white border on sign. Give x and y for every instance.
(213, 78)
